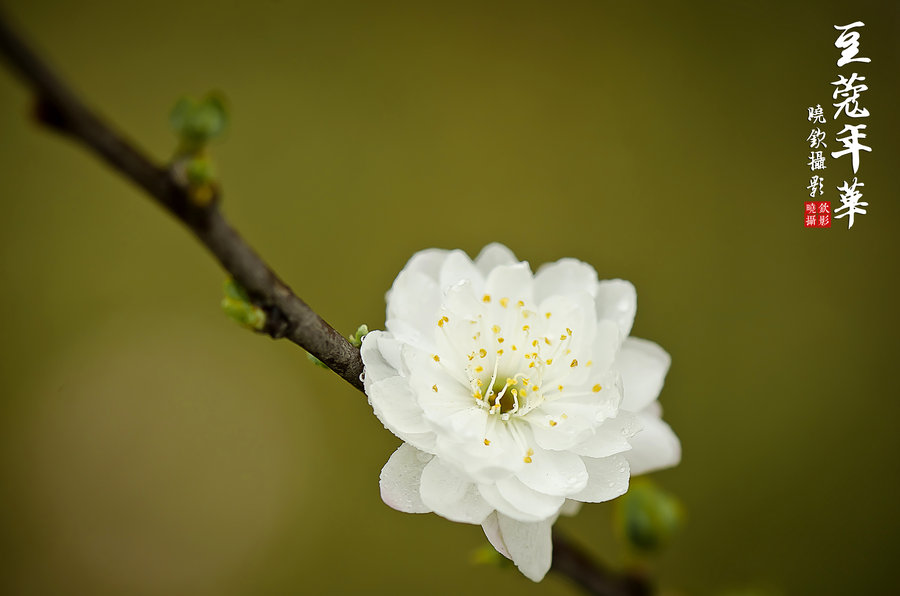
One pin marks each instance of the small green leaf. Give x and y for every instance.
(198, 121)
(356, 338)
(237, 306)
(316, 361)
(200, 171)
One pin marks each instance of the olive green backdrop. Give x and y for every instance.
(152, 447)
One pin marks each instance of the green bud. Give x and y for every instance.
(197, 122)
(238, 307)
(199, 171)
(356, 338)
(647, 517)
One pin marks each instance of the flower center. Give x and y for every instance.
(510, 350)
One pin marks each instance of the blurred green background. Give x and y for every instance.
(150, 446)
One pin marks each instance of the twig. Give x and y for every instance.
(571, 560)
(287, 315)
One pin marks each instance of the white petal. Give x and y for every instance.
(559, 473)
(643, 365)
(528, 504)
(608, 479)
(570, 508)
(395, 405)
(459, 267)
(607, 340)
(530, 545)
(654, 447)
(400, 478)
(494, 255)
(485, 462)
(617, 301)
(492, 495)
(450, 495)
(427, 262)
(491, 527)
(381, 356)
(511, 280)
(611, 437)
(566, 276)
(412, 308)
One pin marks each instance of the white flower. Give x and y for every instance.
(513, 392)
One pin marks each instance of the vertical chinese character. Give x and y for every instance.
(816, 161)
(850, 200)
(848, 43)
(816, 183)
(852, 144)
(816, 138)
(850, 94)
(816, 114)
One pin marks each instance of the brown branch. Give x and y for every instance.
(571, 560)
(287, 315)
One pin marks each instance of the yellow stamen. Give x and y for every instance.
(487, 298)
(597, 388)
(574, 364)
(504, 302)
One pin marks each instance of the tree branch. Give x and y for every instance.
(571, 560)
(287, 315)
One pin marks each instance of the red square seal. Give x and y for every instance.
(817, 214)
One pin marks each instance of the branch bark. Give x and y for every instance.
(288, 316)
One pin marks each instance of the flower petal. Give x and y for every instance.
(558, 473)
(570, 508)
(494, 255)
(450, 495)
(611, 437)
(491, 527)
(643, 365)
(530, 545)
(608, 479)
(528, 504)
(654, 447)
(617, 301)
(427, 262)
(511, 280)
(400, 479)
(413, 304)
(381, 355)
(459, 267)
(566, 276)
